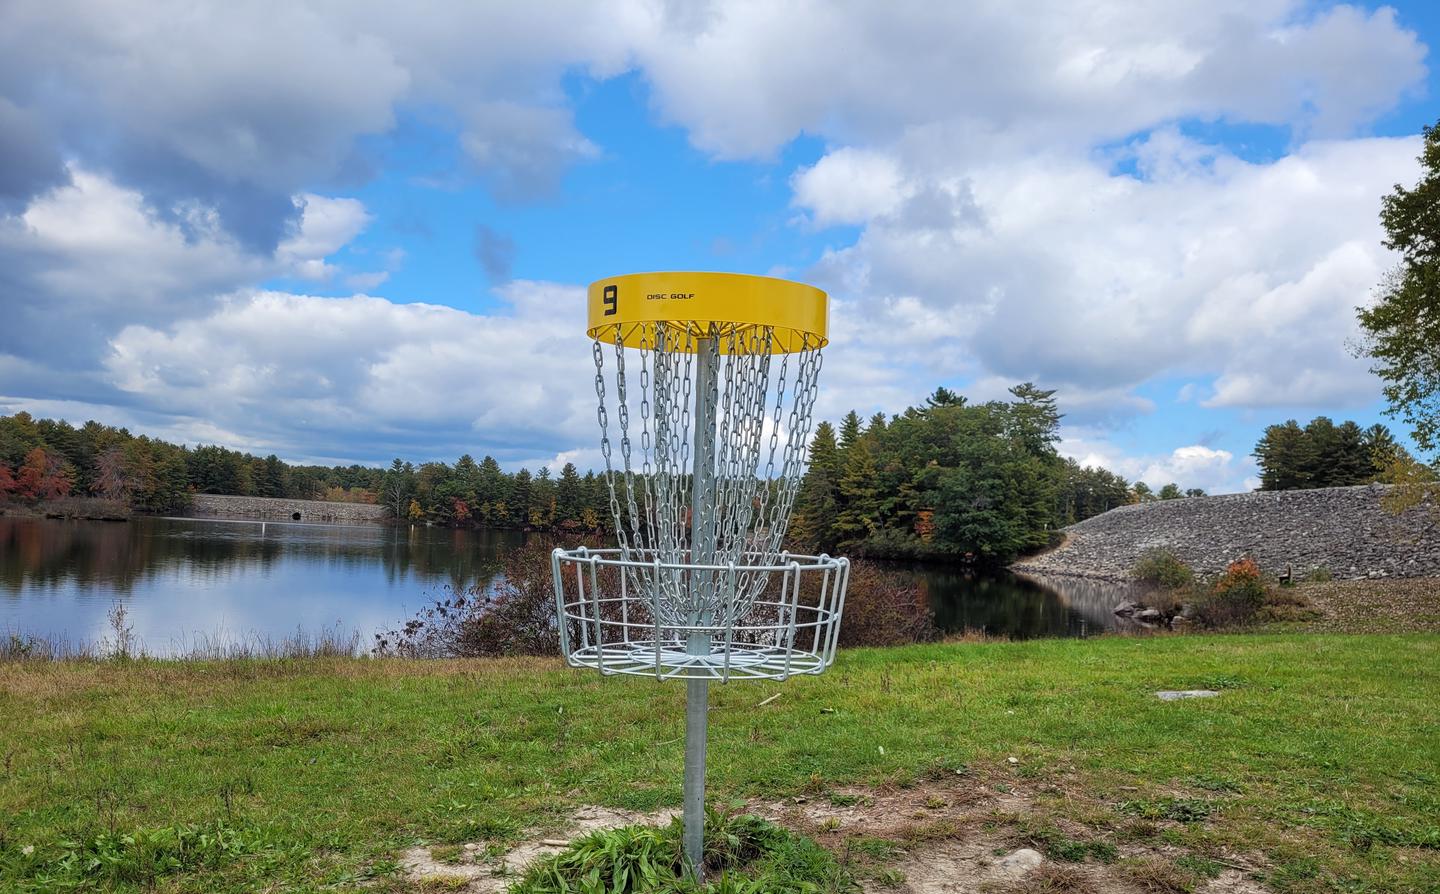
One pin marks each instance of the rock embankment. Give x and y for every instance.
(273, 509)
(1340, 530)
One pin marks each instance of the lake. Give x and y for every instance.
(184, 581)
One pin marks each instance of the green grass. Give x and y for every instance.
(1322, 755)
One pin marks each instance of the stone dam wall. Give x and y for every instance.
(272, 509)
(1342, 530)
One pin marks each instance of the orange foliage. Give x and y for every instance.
(42, 477)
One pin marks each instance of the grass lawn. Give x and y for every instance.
(1320, 761)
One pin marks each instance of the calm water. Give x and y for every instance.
(185, 580)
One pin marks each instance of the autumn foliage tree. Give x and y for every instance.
(43, 476)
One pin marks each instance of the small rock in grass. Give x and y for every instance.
(1020, 863)
(1172, 695)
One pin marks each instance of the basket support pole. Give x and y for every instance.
(702, 552)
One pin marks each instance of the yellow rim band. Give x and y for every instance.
(708, 303)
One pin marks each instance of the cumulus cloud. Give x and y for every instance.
(1081, 278)
(371, 377)
(241, 106)
(1213, 470)
(91, 257)
(326, 225)
(748, 76)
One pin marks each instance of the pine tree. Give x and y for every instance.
(850, 430)
(816, 505)
(1034, 419)
(1286, 457)
(569, 497)
(858, 518)
(876, 426)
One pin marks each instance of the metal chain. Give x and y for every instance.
(761, 435)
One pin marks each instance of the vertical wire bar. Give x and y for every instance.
(656, 615)
(790, 631)
(730, 619)
(595, 607)
(559, 579)
(580, 601)
(842, 586)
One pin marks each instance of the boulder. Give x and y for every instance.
(1126, 608)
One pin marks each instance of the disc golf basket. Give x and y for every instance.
(705, 384)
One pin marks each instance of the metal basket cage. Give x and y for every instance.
(616, 615)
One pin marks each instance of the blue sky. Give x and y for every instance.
(344, 232)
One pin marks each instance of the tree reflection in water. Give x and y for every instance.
(187, 578)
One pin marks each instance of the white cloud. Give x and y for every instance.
(849, 186)
(1066, 273)
(1213, 470)
(326, 225)
(372, 375)
(747, 76)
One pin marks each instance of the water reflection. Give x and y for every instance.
(184, 579)
(1020, 606)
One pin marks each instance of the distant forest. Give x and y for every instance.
(1323, 454)
(948, 479)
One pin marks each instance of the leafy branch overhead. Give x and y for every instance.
(1402, 327)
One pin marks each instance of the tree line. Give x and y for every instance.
(1323, 454)
(47, 459)
(950, 479)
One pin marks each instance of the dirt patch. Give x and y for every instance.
(477, 868)
(995, 834)
(959, 833)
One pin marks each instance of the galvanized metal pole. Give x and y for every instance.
(702, 552)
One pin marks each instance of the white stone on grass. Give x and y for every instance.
(1173, 695)
(1020, 863)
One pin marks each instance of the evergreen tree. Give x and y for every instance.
(944, 397)
(1383, 449)
(568, 496)
(271, 481)
(876, 427)
(849, 430)
(1286, 457)
(858, 517)
(1353, 463)
(1034, 419)
(816, 503)
(521, 499)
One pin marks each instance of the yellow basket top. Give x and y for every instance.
(705, 304)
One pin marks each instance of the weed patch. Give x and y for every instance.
(744, 854)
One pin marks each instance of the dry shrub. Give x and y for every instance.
(1236, 597)
(884, 608)
(513, 615)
